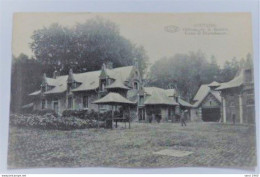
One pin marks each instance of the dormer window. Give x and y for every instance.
(102, 85)
(74, 85)
(141, 100)
(70, 102)
(136, 86)
(43, 104)
(44, 88)
(248, 75)
(85, 101)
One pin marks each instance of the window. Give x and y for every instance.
(70, 102)
(74, 85)
(44, 88)
(43, 104)
(141, 100)
(248, 75)
(102, 86)
(85, 101)
(135, 85)
(56, 105)
(232, 103)
(250, 102)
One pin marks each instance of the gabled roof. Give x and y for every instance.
(88, 80)
(60, 84)
(113, 98)
(117, 84)
(30, 105)
(38, 92)
(236, 82)
(158, 96)
(171, 92)
(214, 84)
(202, 93)
(184, 103)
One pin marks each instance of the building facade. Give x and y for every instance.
(157, 103)
(77, 91)
(207, 104)
(237, 96)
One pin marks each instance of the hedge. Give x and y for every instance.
(48, 121)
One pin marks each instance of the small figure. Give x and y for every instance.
(183, 118)
(234, 118)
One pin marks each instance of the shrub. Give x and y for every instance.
(45, 111)
(158, 118)
(150, 119)
(75, 113)
(48, 121)
(105, 115)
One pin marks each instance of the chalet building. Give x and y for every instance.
(79, 90)
(157, 102)
(207, 103)
(238, 96)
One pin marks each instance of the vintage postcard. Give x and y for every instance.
(132, 90)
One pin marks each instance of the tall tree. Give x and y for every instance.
(26, 78)
(85, 47)
(184, 72)
(230, 69)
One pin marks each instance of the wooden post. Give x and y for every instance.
(98, 116)
(129, 118)
(240, 108)
(224, 111)
(124, 116)
(112, 117)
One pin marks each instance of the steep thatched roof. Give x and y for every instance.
(113, 98)
(88, 80)
(158, 96)
(202, 93)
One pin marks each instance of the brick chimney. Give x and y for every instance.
(109, 65)
(70, 77)
(136, 63)
(44, 83)
(55, 74)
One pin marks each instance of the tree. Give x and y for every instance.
(230, 69)
(184, 72)
(23, 81)
(85, 47)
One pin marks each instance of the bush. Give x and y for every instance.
(150, 119)
(48, 121)
(75, 113)
(45, 111)
(158, 118)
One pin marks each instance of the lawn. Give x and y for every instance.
(211, 144)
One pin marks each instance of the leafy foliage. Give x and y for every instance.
(186, 72)
(25, 78)
(49, 121)
(85, 47)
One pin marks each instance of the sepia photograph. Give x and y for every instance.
(132, 90)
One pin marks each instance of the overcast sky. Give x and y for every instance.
(224, 35)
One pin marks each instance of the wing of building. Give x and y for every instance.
(207, 103)
(231, 101)
(80, 91)
(238, 105)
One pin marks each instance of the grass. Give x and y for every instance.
(212, 144)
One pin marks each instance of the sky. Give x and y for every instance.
(224, 35)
